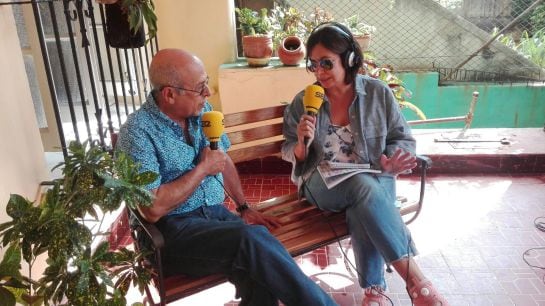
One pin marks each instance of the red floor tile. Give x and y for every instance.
(472, 235)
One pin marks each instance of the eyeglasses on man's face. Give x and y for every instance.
(199, 90)
(325, 63)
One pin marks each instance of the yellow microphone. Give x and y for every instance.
(313, 98)
(212, 126)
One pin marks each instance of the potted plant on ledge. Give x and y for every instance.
(361, 31)
(288, 33)
(256, 29)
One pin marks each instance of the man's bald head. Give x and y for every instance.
(168, 67)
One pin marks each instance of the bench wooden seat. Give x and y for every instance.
(304, 227)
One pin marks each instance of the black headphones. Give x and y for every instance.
(351, 58)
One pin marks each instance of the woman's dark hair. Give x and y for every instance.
(338, 39)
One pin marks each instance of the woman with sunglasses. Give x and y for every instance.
(359, 122)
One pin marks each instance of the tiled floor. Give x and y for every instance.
(476, 234)
(473, 234)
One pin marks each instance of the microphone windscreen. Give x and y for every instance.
(212, 125)
(313, 98)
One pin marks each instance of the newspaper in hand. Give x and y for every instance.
(333, 172)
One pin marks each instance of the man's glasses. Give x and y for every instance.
(200, 90)
(324, 63)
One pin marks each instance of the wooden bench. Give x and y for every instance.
(304, 227)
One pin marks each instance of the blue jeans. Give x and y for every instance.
(377, 231)
(213, 240)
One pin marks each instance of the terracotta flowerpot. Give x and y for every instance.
(291, 51)
(257, 49)
(364, 41)
(118, 33)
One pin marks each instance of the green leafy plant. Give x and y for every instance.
(387, 75)
(77, 273)
(358, 27)
(254, 23)
(139, 11)
(289, 22)
(315, 18)
(533, 48)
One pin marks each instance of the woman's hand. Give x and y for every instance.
(399, 162)
(305, 130)
(252, 216)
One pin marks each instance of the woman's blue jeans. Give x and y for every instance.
(213, 240)
(377, 231)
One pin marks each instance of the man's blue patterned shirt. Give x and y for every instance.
(159, 145)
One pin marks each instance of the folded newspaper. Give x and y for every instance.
(333, 173)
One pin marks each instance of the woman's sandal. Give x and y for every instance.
(374, 297)
(423, 293)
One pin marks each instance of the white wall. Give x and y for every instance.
(205, 28)
(243, 88)
(21, 154)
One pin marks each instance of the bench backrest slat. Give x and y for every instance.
(255, 133)
(254, 126)
(252, 116)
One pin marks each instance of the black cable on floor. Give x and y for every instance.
(540, 225)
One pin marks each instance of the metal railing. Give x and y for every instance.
(92, 85)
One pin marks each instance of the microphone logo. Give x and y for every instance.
(212, 126)
(313, 98)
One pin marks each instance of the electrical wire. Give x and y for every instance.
(337, 238)
(540, 225)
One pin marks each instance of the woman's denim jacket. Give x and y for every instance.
(376, 122)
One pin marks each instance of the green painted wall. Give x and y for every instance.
(498, 106)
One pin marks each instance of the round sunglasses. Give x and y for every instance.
(324, 63)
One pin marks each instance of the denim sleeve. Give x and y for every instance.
(292, 113)
(399, 133)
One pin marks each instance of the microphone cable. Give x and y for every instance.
(337, 237)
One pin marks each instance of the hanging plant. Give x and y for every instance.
(125, 22)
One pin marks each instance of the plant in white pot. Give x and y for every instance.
(361, 31)
(256, 29)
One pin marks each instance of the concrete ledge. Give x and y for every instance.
(525, 152)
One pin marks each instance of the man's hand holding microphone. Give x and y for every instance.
(212, 159)
(216, 161)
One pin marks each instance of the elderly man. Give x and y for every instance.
(201, 235)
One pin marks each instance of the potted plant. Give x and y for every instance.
(361, 31)
(77, 272)
(256, 28)
(387, 75)
(317, 17)
(288, 33)
(125, 22)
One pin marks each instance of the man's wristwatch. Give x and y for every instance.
(242, 207)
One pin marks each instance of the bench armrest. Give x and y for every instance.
(425, 161)
(155, 237)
